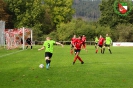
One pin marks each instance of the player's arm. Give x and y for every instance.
(71, 42)
(104, 42)
(111, 42)
(85, 39)
(74, 46)
(58, 43)
(41, 48)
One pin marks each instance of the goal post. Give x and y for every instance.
(23, 39)
(2, 28)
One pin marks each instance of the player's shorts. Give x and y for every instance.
(107, 45)
(48, 54)
(96, 43)
(100, 46)
(77, 50)
(83, 43)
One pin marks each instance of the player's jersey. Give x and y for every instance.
(108, 40)
(78, 43)
(96, 40)
(101, 41)
(72, 40)
(84, 39)
(48, 45)
(28, 40)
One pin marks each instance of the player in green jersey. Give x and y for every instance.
(107, 44)
(48, 45)
(96, 41)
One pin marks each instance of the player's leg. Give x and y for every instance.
(27, 47)
(31, 46)
(79, 58)
(97, 48)
(82, 62)
(101, 49)
(76, 55)
(104, 48)
(50, 56)
(109, 49)
(47, 62)
(71, 51)
(28, 44)
(95, 45)
(84, 46)
(47, 59)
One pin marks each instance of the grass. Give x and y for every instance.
(20, 70)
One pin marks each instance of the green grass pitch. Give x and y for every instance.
(20, 69)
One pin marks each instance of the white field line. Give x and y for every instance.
(10, 53)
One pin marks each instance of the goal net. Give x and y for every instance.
(16, 38)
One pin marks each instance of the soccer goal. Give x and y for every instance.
(16, 38)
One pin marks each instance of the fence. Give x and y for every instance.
(65, 42)
(2, 28)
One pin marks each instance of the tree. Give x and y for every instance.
(60, 10)
(109, 17)
(27, 13)
(4, 15)
(125, 32)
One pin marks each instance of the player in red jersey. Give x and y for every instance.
(84, 40)
(72, 41)
(100, 43)
(77, 47)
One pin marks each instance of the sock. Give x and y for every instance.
(96, 50)
(80, 59)
(110, 51)
(103, 50)
(47, 61)
(75, 58)
(85, 46)
(95, 47)
(71, 51)
(31, 47)
(82, 46)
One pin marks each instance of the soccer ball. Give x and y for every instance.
(41, 66)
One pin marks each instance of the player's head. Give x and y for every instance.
(107, 35)
(83, 35)
(47, 38)
(80, 37)
(100, 36)
(74, 36)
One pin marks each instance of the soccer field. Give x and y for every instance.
(20, 69)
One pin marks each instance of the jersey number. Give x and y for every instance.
(48, 45)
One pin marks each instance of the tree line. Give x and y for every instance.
(56, 18)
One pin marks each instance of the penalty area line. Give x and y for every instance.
(11, 53)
